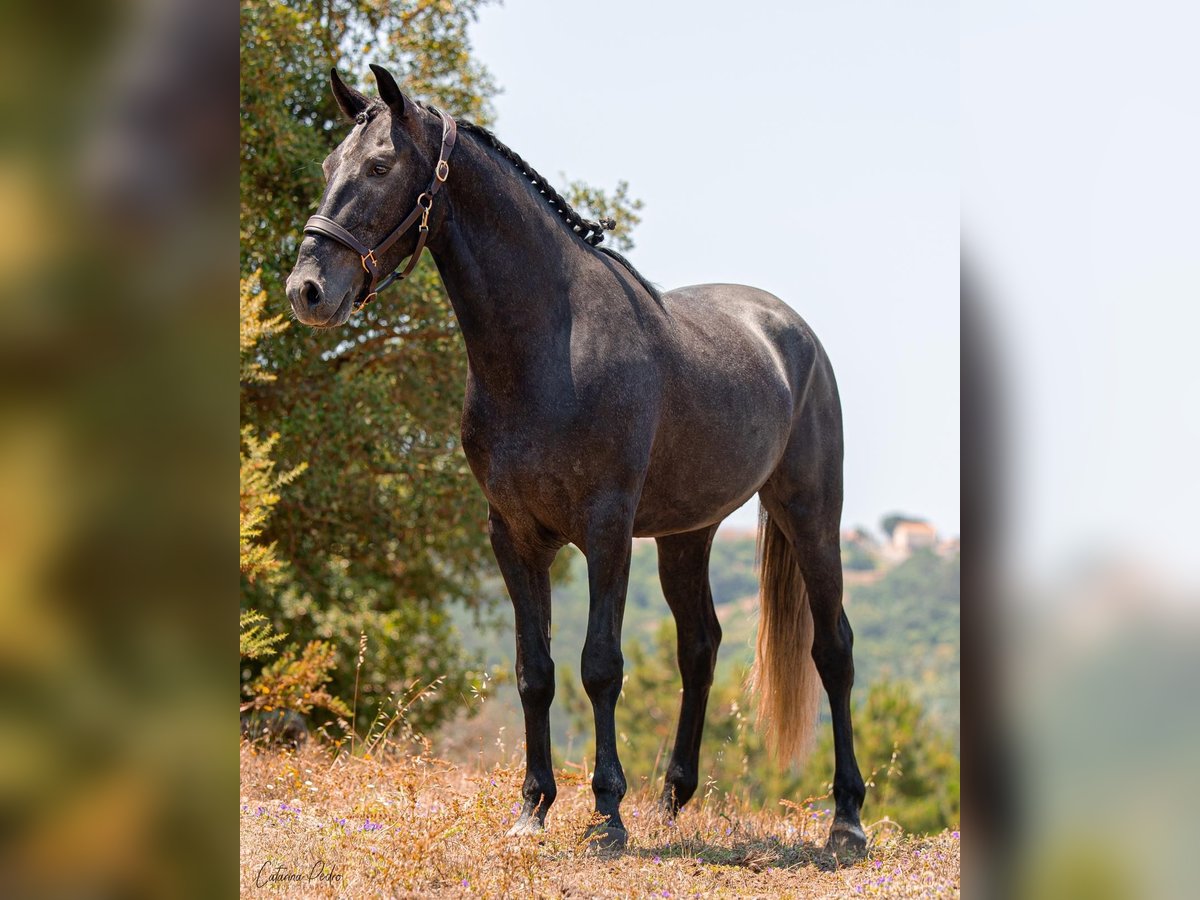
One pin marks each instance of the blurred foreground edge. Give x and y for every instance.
(117, 434)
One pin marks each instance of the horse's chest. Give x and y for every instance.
(547, 466)
(520, 457)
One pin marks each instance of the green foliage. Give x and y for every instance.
(297, 682)
(259, 483)
(256, 638)
(732, 571)
(595, 203)
(259, 493)
(906, 628)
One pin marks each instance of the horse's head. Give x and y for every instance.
(372, 183)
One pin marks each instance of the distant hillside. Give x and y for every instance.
(905, 620)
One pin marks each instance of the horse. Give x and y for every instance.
(598, 409)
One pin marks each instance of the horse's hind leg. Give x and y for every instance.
(807, 508)
(683, 571)
(525, 564)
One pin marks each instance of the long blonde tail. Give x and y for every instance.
(784, 677)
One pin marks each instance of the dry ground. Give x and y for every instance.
(412, 826)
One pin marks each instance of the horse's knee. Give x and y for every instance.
(601, 672)
(535, 682)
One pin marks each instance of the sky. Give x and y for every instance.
(811, 150)
(1081, 185)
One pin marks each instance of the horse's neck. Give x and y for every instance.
(507, 262)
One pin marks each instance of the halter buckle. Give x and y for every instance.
(442, 171)
(374, 267)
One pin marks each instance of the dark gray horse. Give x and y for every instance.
(597, 410)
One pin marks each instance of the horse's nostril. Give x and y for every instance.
(311, 293)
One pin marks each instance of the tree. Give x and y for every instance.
(387, 527)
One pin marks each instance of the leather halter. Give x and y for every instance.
(370, 256)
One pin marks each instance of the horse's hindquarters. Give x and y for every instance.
(739, 364)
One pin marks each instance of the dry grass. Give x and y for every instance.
(413, 826)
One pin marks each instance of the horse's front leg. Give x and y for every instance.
(609, 539)
(525, 564)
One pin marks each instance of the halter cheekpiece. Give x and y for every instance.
(325, 226)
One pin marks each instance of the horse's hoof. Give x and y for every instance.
(605, 838)
(847, 841)
(526, 826)
(663, 812)
(669, 805)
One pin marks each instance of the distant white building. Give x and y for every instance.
(910, 536)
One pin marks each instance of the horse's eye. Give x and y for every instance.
(379, 169)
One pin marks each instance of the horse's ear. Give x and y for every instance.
(390, 91)
(348, 99)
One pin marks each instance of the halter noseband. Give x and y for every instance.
(370, 256)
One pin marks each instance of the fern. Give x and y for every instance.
(259, 493)
(256, 638)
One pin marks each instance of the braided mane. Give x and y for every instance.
(591, 231)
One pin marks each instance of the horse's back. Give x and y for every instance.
(739, 326)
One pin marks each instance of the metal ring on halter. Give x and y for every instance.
(442, 172)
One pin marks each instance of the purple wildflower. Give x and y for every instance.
(658, 860)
